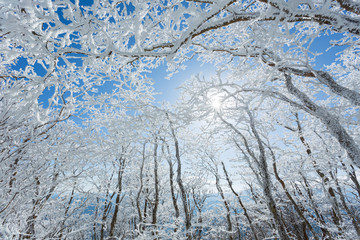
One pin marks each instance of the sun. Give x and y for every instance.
(215, 100)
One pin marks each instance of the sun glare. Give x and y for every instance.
(215, 101)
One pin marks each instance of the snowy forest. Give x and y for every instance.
(265, 145)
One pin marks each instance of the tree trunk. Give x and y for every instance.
(264, 174)
(140, 189)
(107, 206)
(156, 180)
(226, 204)
(299, 209)
(240, 202)
(267, 181)
(122, 163)
(330, 121)
(172, 189)
(330, 191)
(179, 180)
(354, 219)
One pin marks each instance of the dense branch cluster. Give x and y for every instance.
(267, 147)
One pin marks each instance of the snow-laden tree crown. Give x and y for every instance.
(267, 147)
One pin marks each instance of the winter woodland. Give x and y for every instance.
(265, 148)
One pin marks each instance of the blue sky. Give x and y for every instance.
(321, 45)
(169, 87)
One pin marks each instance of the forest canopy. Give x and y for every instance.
(267, 147)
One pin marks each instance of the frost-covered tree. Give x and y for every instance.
(107, 158)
